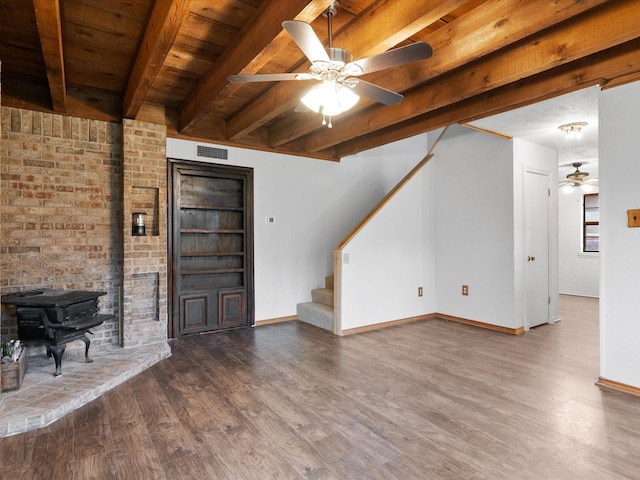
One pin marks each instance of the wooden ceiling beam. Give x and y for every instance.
(603, 68)
(254, 47)
(614, 23)
(376, 31)
(486, 29)
(48, 19)
(164, 24)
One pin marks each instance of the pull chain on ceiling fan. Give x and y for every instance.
(338, 90)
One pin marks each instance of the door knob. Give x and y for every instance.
(531, 259)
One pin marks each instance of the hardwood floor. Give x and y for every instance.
(429, 400)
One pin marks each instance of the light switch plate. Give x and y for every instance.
(634, 218)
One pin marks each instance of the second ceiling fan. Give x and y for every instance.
(338, 89)
(578, 179)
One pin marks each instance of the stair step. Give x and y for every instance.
(323, 296)
(328, 282)
(316, 314)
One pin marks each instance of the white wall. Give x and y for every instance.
(393, 255)
(474, 227)
(461, 206)
(390, 258)
(479, 225)
(579, 273)
(315, 204)
(366, 177)
(293, 255)
(620, 246)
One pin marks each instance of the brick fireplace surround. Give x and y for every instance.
(68, 189)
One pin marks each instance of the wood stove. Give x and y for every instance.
(54, 318)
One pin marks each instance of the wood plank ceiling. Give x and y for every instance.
(170, 59)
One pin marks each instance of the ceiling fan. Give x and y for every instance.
(578, 179)
(338, 90)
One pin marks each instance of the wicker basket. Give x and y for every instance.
(13, 373)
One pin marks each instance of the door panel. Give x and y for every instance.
(211, 247)
(231, 307)
(194, 313)
(536, 247)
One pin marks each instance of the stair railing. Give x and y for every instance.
(338, 250)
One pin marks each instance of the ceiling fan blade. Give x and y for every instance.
(396, 57)
(304, 36)
(379, 94)
(264, 77)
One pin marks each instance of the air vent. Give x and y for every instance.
(212, 152)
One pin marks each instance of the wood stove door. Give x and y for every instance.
(211, 247)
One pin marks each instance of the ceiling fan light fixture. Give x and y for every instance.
(578, 179)
(330, 98)
(587, 188)
(573, 130)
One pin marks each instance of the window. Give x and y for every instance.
(591, 223)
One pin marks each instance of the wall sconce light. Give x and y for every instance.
(138, 228)
(573, 130)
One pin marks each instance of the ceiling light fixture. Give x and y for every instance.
(585, 187)
(578, 179)
(573, 130)
(334, 95)
(339, 90)
(330, 98)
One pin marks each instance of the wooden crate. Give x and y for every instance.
(13, 373)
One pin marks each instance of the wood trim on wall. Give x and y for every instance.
(392, 323)
(384, 201)
(617, 386)
(270, 321)
(450, 318)
(487, 326)
(337, 292)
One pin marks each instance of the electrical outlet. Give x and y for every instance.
(419, 291)
(465, 289)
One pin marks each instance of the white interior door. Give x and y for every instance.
(536, 247)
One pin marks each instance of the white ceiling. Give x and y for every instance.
(539, 124)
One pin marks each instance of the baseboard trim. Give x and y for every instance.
(585, 295)
(617, 386)
(269, 321)
(393, 323)
(488, 326)
(451, 318)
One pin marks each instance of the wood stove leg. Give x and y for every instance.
(58, 351)
(87, 343)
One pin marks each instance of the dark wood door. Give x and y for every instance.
(211, 247)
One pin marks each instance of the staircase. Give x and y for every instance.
(319, 311)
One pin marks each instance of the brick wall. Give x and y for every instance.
(66, 189)
(61, 197)
(145, 257)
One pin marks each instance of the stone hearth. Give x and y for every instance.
(43, 398)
